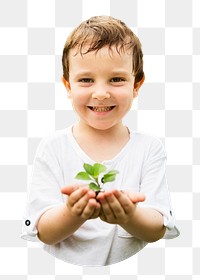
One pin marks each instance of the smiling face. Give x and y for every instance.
(101, 86)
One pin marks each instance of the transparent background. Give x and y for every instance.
(33, 103)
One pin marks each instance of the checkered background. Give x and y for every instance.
(33, 103)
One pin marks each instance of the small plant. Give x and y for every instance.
(92, 173)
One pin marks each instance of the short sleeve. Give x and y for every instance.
(154, 185)
(44, 192)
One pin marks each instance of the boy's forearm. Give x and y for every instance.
(146, 224)
(57, 224)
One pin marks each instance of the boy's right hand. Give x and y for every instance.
(81, 201)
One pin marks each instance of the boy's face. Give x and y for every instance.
(101, 86)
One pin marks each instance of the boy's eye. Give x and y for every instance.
(117, 80)
(85, 80)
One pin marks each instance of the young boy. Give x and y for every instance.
(102, 72)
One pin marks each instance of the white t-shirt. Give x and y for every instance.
(59, 158)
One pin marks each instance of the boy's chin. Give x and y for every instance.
(102, 126)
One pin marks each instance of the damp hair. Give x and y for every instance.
(104, 31)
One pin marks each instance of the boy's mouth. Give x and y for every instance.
(101, 108)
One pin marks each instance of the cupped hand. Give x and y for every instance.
(82, 202)
(117, 207)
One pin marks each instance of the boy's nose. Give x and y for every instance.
(101, 94)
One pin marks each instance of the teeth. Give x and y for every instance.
(101, 109)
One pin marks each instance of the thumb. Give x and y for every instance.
(136, 196)
(70, 189)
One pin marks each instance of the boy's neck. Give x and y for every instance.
(101, 145)
(86, 131)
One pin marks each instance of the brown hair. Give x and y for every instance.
(98, 32)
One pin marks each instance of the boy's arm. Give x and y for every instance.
(146, 224)
(143, 223)
(58, 223)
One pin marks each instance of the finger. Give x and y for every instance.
(77, 195)
(80, 205)
(106, 209)
(135, 196)
(89, 209)
(70, 189)
(102, 216)
(114, 204)
(100, 196)
(124, 201)
(91, 194)
(96, 212)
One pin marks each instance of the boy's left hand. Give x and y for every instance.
(117, 207)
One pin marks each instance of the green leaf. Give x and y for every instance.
(82, 176)
(94, 187)
(113, 172)
(89, 168)
(110, 176)
(98, 168)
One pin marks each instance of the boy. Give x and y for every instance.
(102, 72)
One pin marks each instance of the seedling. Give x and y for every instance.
(96, 175)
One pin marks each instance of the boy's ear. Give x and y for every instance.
(137, 87)
(67, 86)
